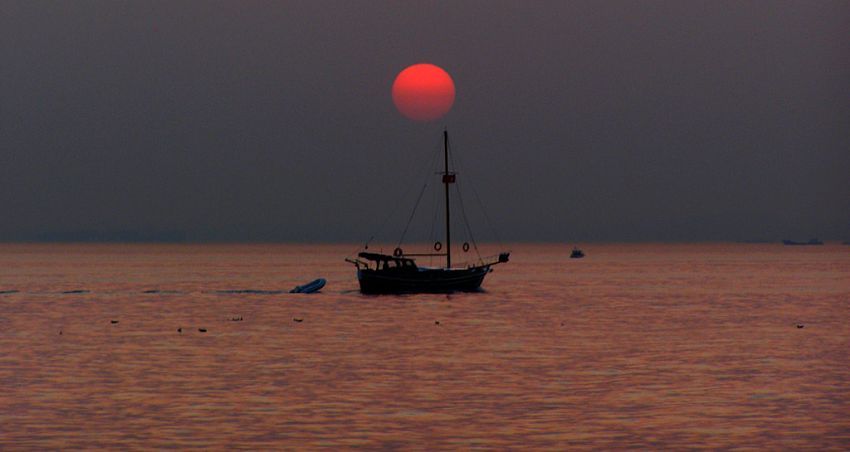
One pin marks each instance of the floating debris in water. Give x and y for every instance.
(75, 291)
(236, 319)
(296, 319)
(179, 329)
(251, 292)
(113, 322)
(800, 325)
(436, 322)
(60, 332)
(5, 292)
(203, 330)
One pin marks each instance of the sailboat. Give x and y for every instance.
(380, 273)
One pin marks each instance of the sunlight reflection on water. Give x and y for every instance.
(638, 346)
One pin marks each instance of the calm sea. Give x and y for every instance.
(635, 346)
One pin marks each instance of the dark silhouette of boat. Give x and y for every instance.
(398, 273)
(810, 242)
(576, 253)
(391, 274)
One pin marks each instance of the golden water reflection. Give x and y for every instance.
(635, 346)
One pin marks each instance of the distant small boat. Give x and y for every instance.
(576, 253)
(310, 287)
(810, 242)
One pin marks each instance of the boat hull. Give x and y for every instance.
(422, 280)
(810, 242)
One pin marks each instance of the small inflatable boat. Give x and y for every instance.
(310, 287)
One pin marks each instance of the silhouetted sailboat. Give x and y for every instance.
(398, 273)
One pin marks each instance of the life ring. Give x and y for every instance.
(438, 246)
(397, 252)
(465, 246)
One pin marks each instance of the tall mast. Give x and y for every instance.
(447, 179)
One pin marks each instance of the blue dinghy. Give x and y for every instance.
(310, 287)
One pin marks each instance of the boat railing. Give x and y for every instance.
(481, 262)
(361, 265)
(494, 259)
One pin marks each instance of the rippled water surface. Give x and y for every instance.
(635, 346)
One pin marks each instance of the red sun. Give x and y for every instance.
(423, 92)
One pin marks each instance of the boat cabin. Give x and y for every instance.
(386, 262)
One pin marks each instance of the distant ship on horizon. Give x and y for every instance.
(810, 242)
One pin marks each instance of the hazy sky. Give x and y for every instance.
(576, 121)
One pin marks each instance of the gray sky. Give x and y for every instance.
(575, 121)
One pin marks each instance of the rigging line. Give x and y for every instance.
(486, 217)
(386, 220)
(480, 204)
(416, 205)
(393, 211)
(388, 217)
(434, 209)
(466, 220)
(432, 234)
(462, 208)
(409, 220)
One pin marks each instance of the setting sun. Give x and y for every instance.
(423, 92)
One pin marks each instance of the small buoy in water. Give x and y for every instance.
(436, 322)
(203, 330)
(800, 325)
(297, 320)
(113, 321)
(180, 329)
